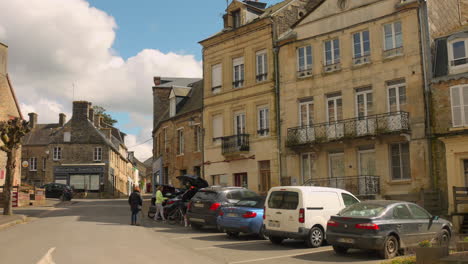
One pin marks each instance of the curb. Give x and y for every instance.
(14, 222)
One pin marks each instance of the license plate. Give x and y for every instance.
(346, 240)
(198, 205)
(232, 215)
(273, 224)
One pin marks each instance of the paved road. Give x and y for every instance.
(97, 231)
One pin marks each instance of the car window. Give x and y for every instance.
(204, 195)
(283, 200)
(418, 212)
(240, 194)
(362, 210)
(348, 199)
(401, 211)
(255, 202)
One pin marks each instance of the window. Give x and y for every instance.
(363, 210)
(263, 121)
(459, 101)
(306, 113)
(238, 72)
(236, 19)
(361, 47)
(348, 199)
(97, 154)
(197, 170)
(308, 168)
(57, 153)
(240, 180)
(44, 164)
(393, 38)
(85, 182)
(262, 66)
(33, 164)
(400, 161)
(418, 212)
(216, 78)
(165, 140)
(217, 128)
(221, 180)
(458, 55)
(66, 136)
(304, 61)
(332, 52)
(401, 211)
(239, 124)
(396, 95)
(335, 108)
(172, 106)
(283, 200)
(180, 141)
(198, 138)
(364, 105)
(165, 175)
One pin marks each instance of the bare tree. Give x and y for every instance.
(11, 133)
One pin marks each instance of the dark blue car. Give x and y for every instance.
(245, 216)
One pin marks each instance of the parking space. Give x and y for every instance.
(250, 249)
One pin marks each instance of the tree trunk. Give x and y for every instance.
(8, 187)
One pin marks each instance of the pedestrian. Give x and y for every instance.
(135, 203)
(159, 207)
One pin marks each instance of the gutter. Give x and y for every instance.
(276, 50)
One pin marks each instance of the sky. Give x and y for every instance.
(105, 52)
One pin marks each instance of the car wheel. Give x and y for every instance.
(276, 240)
(233, 234)
(196, 226)
(340, 250)
(262, 234)
(444, 238)
(390, 248)
(315, 238)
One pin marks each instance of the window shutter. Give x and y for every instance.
(456, 107)
(216, 75)
(465, 104)
(217, 126)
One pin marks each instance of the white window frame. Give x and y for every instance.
(180, 142)
(451, 53)
(397, 89)
(198, 138)
(333, 59)
(394, 44)
(308, 104)
(57, 154)
(463, 105)
(238, 77)
(335, 100)
(361, 43)
(263, 124)
(165, 139)
(262, 72)
(364, 93)
(97, 154)
(243, 124)
(310, 158)
(306, 69)
(216, 69)
(44, 164)
(33, 164)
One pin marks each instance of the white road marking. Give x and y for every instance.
(233, 243)
(47, 259)
(277, 257)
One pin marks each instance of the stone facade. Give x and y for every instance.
(9, 108)
(58, 152)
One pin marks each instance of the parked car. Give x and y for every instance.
(302, 212)
(385, 226)
(245, 216)
(58, 190)
(203, 208)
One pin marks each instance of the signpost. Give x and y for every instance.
(14, 200)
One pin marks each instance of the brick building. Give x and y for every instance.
(9, 108)
(84, 152)
(177, 133)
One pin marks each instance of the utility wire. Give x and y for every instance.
(140, 143)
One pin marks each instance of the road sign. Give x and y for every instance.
(14, 199)
(25, 164)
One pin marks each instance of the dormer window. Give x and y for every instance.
(236, 19)
(459, 50)
(172, 107)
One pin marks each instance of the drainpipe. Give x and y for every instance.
(276, 50)
(427, 64)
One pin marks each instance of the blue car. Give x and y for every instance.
(245, 216)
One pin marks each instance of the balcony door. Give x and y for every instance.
(364, 108)
(306, 120)
(336, 169)
(240, 180)
(367, 168)
(335, 129)
(239, 129)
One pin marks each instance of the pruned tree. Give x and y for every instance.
(11, 133)
(107, 117)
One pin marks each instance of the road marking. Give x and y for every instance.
(232, 243)
(277, 257)
(47, 259)
(193, 237)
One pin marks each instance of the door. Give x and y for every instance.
(306, 120)
(404, 224)
(367, 168)
(335, 128)
(336, 170)
(282, 211)
(240, 179)
(265, 176)
(427, 228)
(364, 108)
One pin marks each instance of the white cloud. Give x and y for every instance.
(56, 43)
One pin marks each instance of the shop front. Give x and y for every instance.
(82, 178)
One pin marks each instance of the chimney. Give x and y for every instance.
(91, 115)
(62, 119)
(3, 58)
(32, 120)
(97, 120)
(80, 110)
(157, 80)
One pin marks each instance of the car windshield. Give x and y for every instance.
(363, 210)
(256, 202)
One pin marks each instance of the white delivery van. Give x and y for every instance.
(302, 212)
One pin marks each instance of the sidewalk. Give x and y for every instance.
(10, 220)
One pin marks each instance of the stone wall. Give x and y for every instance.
(444, 16)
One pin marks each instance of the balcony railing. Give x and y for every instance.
(362, 185)
(235, 144)
(373, 125)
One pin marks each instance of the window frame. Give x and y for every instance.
(393, 36)
(261, 76)
(332, 52)
(463, 105)
(44, 164)
(238, 64)
(309, 105)
(216, 89)
(335, 99)
(57, 153)
(364, 92)
(398, 96)
(243, 118)
(263, 127)
(310, 159)
(307, 67)
(198, 137)
(451, 53)
(361, 42)
(97, 154)
(400, 164)
(33, 164)
(180, 142)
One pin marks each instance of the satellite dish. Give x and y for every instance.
(25, 164)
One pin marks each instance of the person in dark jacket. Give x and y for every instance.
(135, 203)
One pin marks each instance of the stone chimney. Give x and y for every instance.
(62, 119)
(97, 120)
(157, 80)
(80, 110)
(32, 120)
(91, 115)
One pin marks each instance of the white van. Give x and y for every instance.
(302, 212)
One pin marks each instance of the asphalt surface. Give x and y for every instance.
(98, 231)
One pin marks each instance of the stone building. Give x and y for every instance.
(84, 152)
(354, 83)
(241, 95)
(177, 133)
(9, 108)
(450, 118)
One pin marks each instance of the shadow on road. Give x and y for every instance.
(353, 256)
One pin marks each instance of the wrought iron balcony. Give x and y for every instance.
(363, 185)
(235, 144)
(374, 125)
